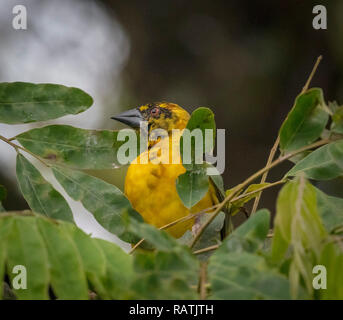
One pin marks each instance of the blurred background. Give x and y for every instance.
(245, 60)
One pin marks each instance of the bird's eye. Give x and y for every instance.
(155, 112)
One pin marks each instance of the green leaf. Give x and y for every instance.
(201, 119)
(305, 122)
(298, 224)
(331, 257)
(165, 275)
(25, 247)
(237, 271)
(238, 204)
(5, 229)
(218, 182)
(119, 270)
(331, 210)
(39, 193)
(250, 235)
(193, 185)
(73, 147)
(22, 102)
(211, 235)
(325, 163)
(60, 256)
(337, 121)
(66, 271)
(105, 201)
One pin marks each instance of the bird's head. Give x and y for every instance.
(159, 115)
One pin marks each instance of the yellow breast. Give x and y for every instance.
(151, 189)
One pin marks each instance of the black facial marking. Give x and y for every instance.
(147, 112)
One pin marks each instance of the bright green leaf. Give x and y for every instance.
(331, 257)
(324, 163)
(22, 102)
(298, 224)
(337, 121)
(238, 204)
(305, 122)
(39, 193)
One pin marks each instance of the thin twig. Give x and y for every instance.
(169, 225)
(249, 180)
(315, 67)
(264, 176)
(17, 147)
(259, 190)
(214, 247)
(277, 141)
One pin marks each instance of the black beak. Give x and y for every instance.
(131, 117)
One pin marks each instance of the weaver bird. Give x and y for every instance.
(151, 187)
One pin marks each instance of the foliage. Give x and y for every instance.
(252, 262)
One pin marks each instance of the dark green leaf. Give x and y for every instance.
(66, 271)
(39, 193)
(202, 119)
(22, 102)
(25, 247)
(165, 275)
(119, 270)
(236, 271)
(5, 229)
(211, 235)
(73, 147)
(105, 201)
(324, 163)
(250, 235)
(193, 185)
(330, 210)
(305, 122)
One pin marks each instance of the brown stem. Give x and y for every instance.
(277, 141)
(17, 147)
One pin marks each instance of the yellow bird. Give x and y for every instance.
(151, 187)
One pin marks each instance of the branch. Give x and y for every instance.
(276, 143)
(17, 147)
(252, 178)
